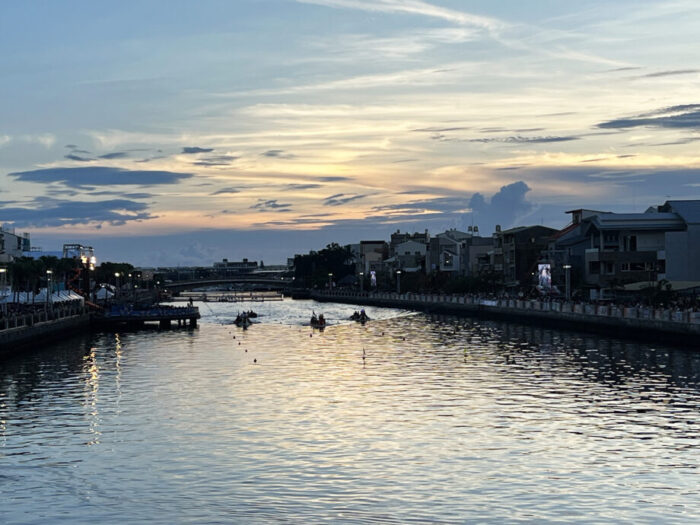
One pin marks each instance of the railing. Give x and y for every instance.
(667, 315)
(18, 320)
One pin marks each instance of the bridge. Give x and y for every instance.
(263, 282)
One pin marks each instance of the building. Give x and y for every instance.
(518, 251)
(399, 238)
(371, 257)
(227, 267)
(12, 245)
(682, 248)
(611, 250)
(457, 252)
(408, 256)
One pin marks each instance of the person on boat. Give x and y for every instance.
(363, 315)
(314, 319)
(321, 320)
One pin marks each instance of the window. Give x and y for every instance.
(594, 267)
(609, 268)
(624, 267)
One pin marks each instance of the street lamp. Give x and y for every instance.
(3, 274)
(116, 280)
(362, 281)
(398, 281)
(49, 273)
(567, 269)
(330, 281)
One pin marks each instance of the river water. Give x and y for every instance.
(445, 420)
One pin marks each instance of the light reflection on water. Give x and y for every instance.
(445, 420)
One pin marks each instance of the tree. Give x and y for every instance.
(313, 269)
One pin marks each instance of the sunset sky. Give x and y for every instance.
(177, 133)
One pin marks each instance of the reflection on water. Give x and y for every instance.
(444, 420)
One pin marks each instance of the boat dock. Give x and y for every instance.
(165, 316)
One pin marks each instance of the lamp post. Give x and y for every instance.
(116, 280)
(567, 269)
(398, 281)
(330, 281)
(49, 274)
(362, 281)
(3, 274)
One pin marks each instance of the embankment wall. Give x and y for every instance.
(665, 325)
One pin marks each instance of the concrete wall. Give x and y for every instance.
(683, 254)
(666, 325)
(15, 340)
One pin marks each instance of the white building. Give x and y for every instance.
(12, 245)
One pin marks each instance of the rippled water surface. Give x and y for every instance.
(444, 420)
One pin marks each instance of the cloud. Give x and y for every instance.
(47, 139)
(219, 160)
(341, 198)
(77, 158)
(414, 7)
(191, 150)
(333, 179)
(673, 117)
(4, 139)
(115, 155)
(504, 208)
(299, 187)
(524, 140)
(271, 205)
(226, 191)
(671, 73)
(123, 194)
(277, 154)
(50, 212)
(99, 176)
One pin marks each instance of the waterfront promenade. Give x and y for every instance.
(667, 324)
(37, 325)
(41, 324)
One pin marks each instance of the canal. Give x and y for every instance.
(445, 420)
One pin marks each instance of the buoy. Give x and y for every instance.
(255, 360)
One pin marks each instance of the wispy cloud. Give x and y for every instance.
(414, 7)
(341, 198)
(671, 73)
(192, 150)
(277, 154)
(226, 191)
(684, 116)
(50, 212)
(271, 205)
(114, 155)
(77, 158)
(85, 177)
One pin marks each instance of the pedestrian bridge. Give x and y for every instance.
(264, 282)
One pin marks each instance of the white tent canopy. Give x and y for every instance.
(8, 296)
(103, 293)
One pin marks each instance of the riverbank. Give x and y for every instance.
(21, 332)
(664, 325)
(25, 331)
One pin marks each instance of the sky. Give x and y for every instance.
(169, 133)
